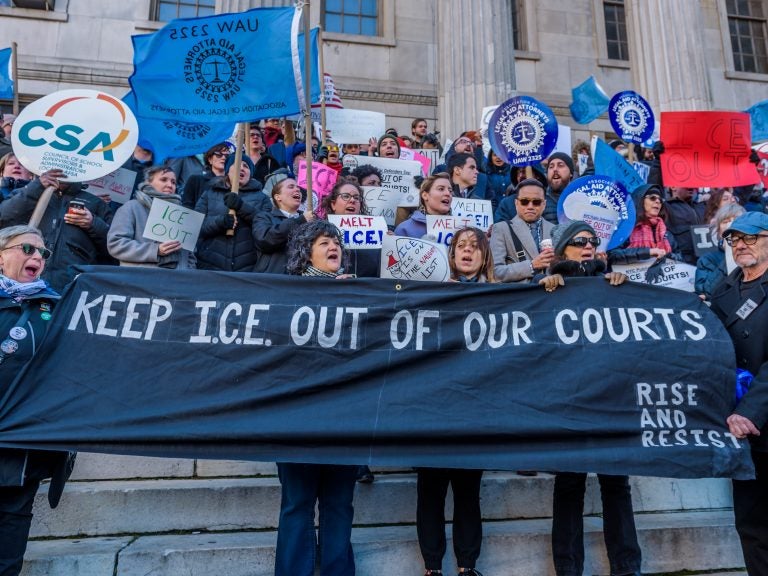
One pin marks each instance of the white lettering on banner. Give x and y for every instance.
(305, 318)
(488, 332)
(403, 341)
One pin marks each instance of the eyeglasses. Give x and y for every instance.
(534, 201)
(29, 249)
(748, 239)
(466, 141)
(582, 241)
(346, 196)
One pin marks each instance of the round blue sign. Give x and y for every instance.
(522, 131)
(602, 203)
(631, 117)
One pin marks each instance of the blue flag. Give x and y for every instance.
(174, 139)
(610, 163)
(6, 82)
(758, 115)
(589, 101)
(225, 68)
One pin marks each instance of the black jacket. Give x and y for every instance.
(195, 187)
(216, 250)
(18, 466)
(750, 340)
(270, 233)
(71, 245)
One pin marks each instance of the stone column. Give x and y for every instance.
(476, 61)
(667, 51)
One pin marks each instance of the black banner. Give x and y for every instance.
(630, 379)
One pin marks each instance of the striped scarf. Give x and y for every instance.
(312, 271)
(650, 233)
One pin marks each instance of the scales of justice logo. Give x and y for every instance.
(523, 133)
(632, 118)
(218, 69)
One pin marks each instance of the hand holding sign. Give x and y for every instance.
(168, 223)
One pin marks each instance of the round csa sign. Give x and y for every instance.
(85, 133)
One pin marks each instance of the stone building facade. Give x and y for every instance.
(443, 60)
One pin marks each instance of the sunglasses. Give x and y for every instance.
(748, 239)
(582, 241)
(654, 198)
(29, 249)
(221, 154)
(534, 201)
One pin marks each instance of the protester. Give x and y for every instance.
(388, 147)
(682, 213)
(718, 197)
(469, 258)
(329, 155)
(5, 140)
(272, 132)
(431, 142)
(368, 175)
(14, 176)
(214, 159)
(575, 250)
(516, 244)
(74, 224)
(141, 159)
(499, 175)
(434, 198)
(711, 267)
(315, 249)
(271, 229)
(126, 242)
(6, 123)
(217, 250)
(26, 303)
(464, 176)
(418, 131)
(740, 303)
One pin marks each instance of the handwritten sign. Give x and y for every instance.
(360, 232)
(675, 274)
(414, 259)
(442, 228)
(168, 221)
(706, 149)
(354, 126)
(118, 185)
(323, 181)
(397, 175)
(643, 170)
(479, 211)
(702, 239)
(382, 202)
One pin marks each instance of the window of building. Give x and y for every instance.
(616, 41)
(747, 28)
(166, 10)
(359, 17)
(517, 24)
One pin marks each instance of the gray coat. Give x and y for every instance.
(127, 244)
(507, 264)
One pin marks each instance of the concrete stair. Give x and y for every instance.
(126, 516)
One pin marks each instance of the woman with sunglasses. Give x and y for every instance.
(26, 303)
(214, 160)
(576, 244)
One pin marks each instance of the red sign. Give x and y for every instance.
(706, 149)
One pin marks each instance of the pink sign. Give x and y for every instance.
(408, 154)
(323, 181)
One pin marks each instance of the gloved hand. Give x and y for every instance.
(322, 153)
(233, 201)
(227, 221)
(754, 157)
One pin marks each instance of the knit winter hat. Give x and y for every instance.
(391, 137)
(564, 233)
(564, 157)
(231, 160)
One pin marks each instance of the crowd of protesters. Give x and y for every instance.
(264, 227)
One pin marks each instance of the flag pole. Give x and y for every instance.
(15, 74)
(323, 139)
(308, 103)
(242, 128)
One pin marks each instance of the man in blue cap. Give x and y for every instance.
(741, 303)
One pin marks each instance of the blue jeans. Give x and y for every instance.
(619, 532)
(333, 487)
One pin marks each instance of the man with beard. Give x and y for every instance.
(516, 244)
(418, 131)
(740, 303)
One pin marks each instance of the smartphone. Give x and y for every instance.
(75, 207)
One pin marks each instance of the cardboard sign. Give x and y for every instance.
(397, 175)
(563, 143)
(360, 232)
(479, 211)
(408, 154)
(442, 228)
(85, 133)
(414, 259)
(168, 221)
(118, 185)
(323, 181)
(675, 274)
(382, 202)
(702, 239)
(354, 126)
(706, 149)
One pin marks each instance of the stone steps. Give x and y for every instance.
(671, 542)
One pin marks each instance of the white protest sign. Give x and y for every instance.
(730, 263)
(381, 202)
(563, 143)
(360, 232)
(118, 185)
(674, 274)
(479, 211)
(168, 221)
(433, 155)
(485, 120)
(354, 126)
(442, 228)
(397, 175)
(414, 259)
(602, 218)
(85, 133)
(410, 154)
